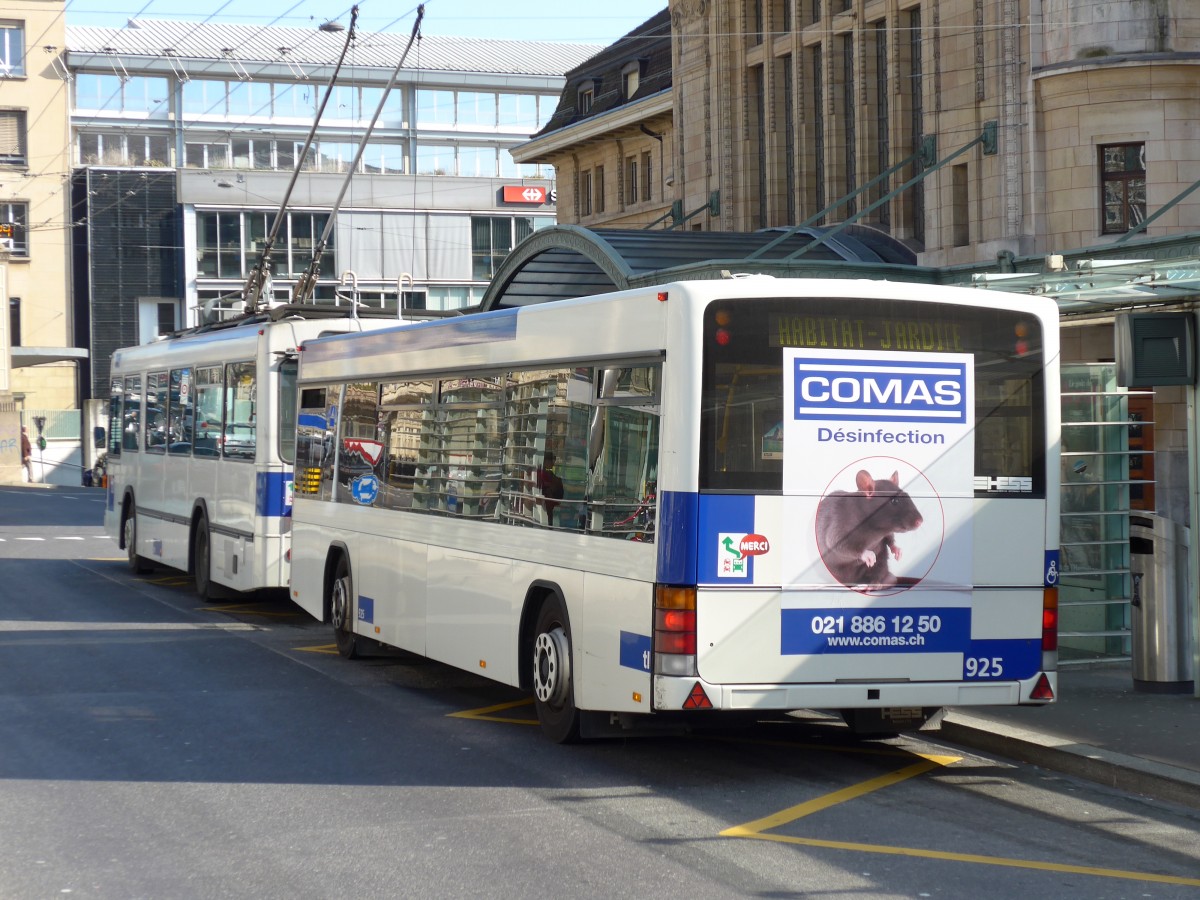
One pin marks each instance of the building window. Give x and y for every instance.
(493, 237)
(166, 318)
(583, 100)
(789, 133)
(519, 111)
(14, 321)
(14, 236)
(203, 97)
(434, 160)
(435, 108)
(477, 109)
(206, 156)
(12, 137)
(1122, 186)
(755, 14)
(631, 180)
(631, 78)
(585, 193)
(598, 189)
(219, 245)
(849, 90)
(646, 170)
(816, 110)
(960, 207)
(12, 49)
(880, 101)
(477, 162)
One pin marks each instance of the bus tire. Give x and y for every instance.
(553, 685)
(202, 558)
(341, 610)
(139, 565)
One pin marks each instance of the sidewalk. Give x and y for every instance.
(1100, 729)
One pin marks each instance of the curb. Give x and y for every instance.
(1117, 770)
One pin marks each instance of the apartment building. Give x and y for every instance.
(35, 227)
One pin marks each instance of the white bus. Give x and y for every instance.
(201, 441)
(768, 495)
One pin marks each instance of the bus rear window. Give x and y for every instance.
(741, 423)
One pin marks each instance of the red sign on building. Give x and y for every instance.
(521, 193)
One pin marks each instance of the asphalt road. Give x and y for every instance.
(155, 746)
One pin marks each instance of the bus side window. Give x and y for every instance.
(115, 432)
(360, 450)
(131, 424)
(179, 413)
(623, 450)
(544, 473)
(402, 410)
(206, 426)
(238, 436)
(156, 415)
(314, 451)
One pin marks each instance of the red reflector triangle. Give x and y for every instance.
(1041, 690)
(697, 699)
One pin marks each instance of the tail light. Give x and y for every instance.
(674, 630)
(1050, 620)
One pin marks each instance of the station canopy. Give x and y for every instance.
(571, 261)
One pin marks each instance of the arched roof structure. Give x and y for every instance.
(572, 261)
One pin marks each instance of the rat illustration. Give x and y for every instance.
(857, 529)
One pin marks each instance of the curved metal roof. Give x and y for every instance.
(197, 41)
(571, 261)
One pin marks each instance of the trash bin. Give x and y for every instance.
(1161, 613)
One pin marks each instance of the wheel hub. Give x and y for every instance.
(551, 667)
(339, 611)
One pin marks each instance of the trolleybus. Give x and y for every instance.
(675, 504)
(201, 440)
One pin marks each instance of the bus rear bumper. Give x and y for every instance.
(680, 693)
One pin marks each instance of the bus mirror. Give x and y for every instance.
(98, 436)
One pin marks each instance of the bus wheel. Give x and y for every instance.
(137, 564)
(341, 610)
(202, 559)
(553, 688)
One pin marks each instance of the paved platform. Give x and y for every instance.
(1101, 729)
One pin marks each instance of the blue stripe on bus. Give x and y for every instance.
(311, 420)
(722, 520)
(366, 609)
(481, 328)
(271, 492)
(676, 537)
(635, 651)
(999, 659)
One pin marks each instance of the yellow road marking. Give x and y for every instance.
(484, 713)
(322, 648)
(791, 814)
(756, 830)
